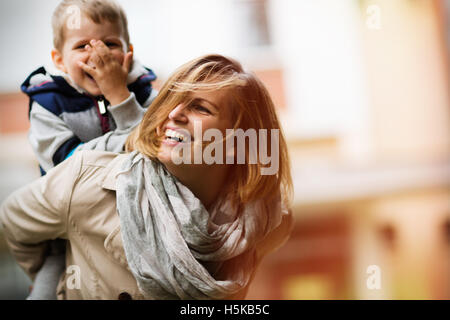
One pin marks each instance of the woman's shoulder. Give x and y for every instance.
(100, 166)
(97, 158)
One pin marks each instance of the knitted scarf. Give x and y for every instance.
(175, 248)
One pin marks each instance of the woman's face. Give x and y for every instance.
(207, 109)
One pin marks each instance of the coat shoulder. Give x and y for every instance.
(97, 158)
(106, 166)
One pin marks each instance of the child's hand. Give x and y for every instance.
(108, 73)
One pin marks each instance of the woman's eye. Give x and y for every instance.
(111, 44)
(81, 46)
(201, 109)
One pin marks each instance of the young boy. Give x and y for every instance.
(93, 98)
(90, 100)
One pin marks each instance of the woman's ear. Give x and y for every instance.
(130, 48)
(58, 60)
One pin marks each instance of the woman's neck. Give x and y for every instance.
(205, 181)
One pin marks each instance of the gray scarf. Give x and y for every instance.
(176, 249)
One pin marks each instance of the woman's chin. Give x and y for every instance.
(167, 157)
(164, 156)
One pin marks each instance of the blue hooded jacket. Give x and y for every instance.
(73, 117)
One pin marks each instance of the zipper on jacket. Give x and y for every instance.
(101, 105)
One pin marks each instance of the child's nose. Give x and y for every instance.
(178, 114)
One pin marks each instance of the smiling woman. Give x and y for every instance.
(155, 229)
(215, 93)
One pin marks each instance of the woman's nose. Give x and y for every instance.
(178, 114)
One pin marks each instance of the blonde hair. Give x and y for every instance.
(96, 10)
(250, 106)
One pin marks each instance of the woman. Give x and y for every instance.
(147, 225)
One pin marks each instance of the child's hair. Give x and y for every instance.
(250, 106)
(96, 10)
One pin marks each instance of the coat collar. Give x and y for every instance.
(108, 181)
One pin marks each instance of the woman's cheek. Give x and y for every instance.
(210, 123)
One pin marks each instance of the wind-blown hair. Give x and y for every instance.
(250, 106)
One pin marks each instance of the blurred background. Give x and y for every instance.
(363, 91)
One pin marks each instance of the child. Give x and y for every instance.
(90, 100)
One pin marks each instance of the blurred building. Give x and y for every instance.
(363, 91)
(371, 189)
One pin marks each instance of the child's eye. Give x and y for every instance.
(111, 44)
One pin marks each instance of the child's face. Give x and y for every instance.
(73, 50)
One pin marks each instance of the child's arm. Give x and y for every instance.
(46, 282)
(111, 77)
(127, 115)
(53, 141)
(50, 137)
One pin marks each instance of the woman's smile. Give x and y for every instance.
(173, 136)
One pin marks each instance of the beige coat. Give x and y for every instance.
(77, 201)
